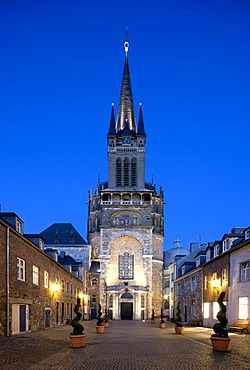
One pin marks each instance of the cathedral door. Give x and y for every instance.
(126, 311)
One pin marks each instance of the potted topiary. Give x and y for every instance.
(219, 339)
(178, 320)
(162, 322)
(100, 321)
(153, 317)
(77, 337)
(106, 319)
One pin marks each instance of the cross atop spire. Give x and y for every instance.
(126, 44)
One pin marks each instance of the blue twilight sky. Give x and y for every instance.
(60, 70)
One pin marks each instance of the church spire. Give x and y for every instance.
(112, 122)
(141, 130)
(126, 115)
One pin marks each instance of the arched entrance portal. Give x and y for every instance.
(126, 306)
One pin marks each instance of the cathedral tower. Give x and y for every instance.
(125, 220)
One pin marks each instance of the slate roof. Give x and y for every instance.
(62, 234)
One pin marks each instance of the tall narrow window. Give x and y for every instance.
(20, 269)
(244, 271)
(126, 172)
(133, 172)
(45, 279)
(35, 275)
(118, 172)
(126, 266)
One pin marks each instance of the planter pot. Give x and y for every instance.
(178, 329)
(77, 340)
(100, 329)
(220, 344)
(106, 324)
(162, 325)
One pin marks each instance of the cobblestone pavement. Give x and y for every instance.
(125, 345)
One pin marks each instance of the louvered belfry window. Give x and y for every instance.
(133, 172)
(126, 172)
(118, 172)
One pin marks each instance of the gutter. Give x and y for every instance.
(8, 282)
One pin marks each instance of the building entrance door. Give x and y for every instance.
(126, 311)
(22, 317)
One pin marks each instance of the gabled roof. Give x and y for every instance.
(62, 234)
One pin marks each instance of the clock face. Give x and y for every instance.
(126, 140)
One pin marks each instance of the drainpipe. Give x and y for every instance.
(8, 282)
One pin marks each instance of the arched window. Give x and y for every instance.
(126, 172)
(133, 172)
(118, 172)
(126, 266)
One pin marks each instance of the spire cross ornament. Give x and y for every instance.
(126, 44)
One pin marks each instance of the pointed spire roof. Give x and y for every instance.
(141, 130)
(112, 122)
(126, 115)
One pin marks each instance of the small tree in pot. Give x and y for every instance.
(77, 337)
(178, 320)
(100, 321)
(220, 340)
(106, 319)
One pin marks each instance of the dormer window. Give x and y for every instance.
(225, 245)
(247, 234)
(208, 255)
(57, 239)
(216, 250)
(183, 270)
(72, 239)
(198, 261)
(18, 226)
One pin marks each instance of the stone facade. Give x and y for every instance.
(188, 290)
(126, 222)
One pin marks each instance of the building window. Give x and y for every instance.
(208, 255)
(244, 271)
(71, 289)
(126, 266)
(206, 310)
(118, 172)
(193, 311)
(111, 301)
(142, 301)
(224, 277)
(63, 286)
(67, 310)
(20, 269)
(206, 282)
(193, 286)
(179, 288)
(45, 279)
(247, 234)
(214, 276)
(133, 172)
(216, 250)
(94, 282)
(35, 275)
(18, 227)
(75, 291)
(126, 172)
(225, 245)
(216, 309)
(93, 298)
(243, 308)
(67, 288)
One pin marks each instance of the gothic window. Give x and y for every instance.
(118, 172)
(126, 266)
(126, 172)
(133, 172)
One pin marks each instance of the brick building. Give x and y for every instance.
(36, 291)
